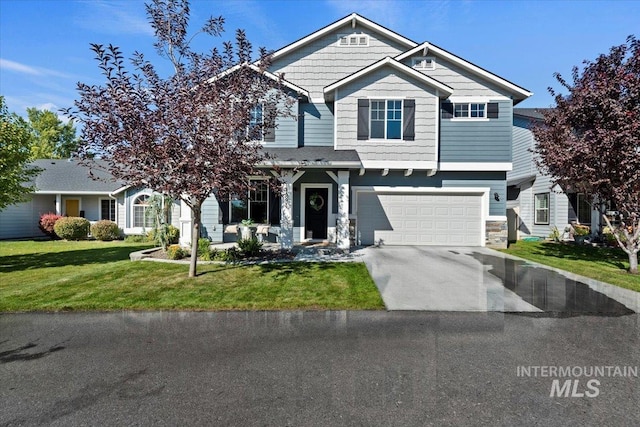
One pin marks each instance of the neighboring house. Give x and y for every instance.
(66, 188)
(395, 142)
(534, 205)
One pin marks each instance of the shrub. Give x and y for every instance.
(173, 235)
(580, 230)
(164, 235)
(47, 222)
(227, 255)
(204, 251)
(72, 228)
(136, 238)
(175, 252)
(250, 247)
(105, 230)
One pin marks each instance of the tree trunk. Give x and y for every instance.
(196, 213)
(633, 262)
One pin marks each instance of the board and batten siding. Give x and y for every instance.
(317, 125)
(387, 83)
(322, 62)
(484, 140)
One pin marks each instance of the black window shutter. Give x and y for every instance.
(363, 119)
(408, 120)
(492, 110)
(446, 110)
(270, 122)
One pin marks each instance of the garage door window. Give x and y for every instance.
(542, 208)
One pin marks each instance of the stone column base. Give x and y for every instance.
(496, 234)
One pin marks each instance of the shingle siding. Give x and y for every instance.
(322, 61)
(385, 83)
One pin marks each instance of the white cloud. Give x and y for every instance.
(121, 17)
(6, 64)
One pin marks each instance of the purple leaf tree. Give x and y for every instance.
(188, 135)
(590, 142)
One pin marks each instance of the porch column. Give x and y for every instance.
(342, 224)
(58, 204)
(185, 224)
(287, 178)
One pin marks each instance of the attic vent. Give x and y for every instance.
(353, 40)
(424, 63)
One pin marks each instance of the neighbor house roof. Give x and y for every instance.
(530, 113)
(65, 176)
(399, 66)
(313, 156)
(426, 47)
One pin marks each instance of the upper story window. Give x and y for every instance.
(391, 119)
(353, 40)
(423, 63)
(254, 129)
(469, 110)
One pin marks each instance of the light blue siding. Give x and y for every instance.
(211, 220)
(478, 141)
(317, 125)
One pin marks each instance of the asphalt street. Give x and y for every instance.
(315, 369)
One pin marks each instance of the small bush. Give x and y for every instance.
(227, 255)
(136, 238)
(72, 228)
(173, 235)
(165, 235)
(175, 252)
(580, 230)
(250, 247)
(204, 251)
(105, 230)
(47, 222)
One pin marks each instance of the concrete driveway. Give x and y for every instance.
(481, 279)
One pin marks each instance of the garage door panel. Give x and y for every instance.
(419, 219)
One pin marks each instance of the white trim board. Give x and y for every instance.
(476, 166)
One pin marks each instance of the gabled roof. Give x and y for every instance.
(353, 19)
(266, 73)
(530, 113)
(444, 90)
(422, 49)
(66, 176)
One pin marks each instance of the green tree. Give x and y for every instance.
(50, 137)
(15, 172)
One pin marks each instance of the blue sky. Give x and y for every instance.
(44, 45)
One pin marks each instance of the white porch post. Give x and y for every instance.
(58, 204)
(185, 224)
(343, 210)
(287, 178)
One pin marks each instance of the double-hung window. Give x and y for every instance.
(108, 209)
(255, 205)
(390, 119)
(542, 208)
(140, 217)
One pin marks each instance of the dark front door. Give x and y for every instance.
(316, 211)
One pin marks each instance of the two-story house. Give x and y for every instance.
(395, 142)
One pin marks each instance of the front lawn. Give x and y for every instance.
(59, 275)
(604, 264)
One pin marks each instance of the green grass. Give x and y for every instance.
(605, 264)
(70, 276)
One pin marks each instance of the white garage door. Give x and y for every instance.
(420, 219)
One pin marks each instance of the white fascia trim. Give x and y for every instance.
(477, 99)
(475, 166)
(467, 65)
(346, 20)
(399, 164)
(266, 73)
(74, 193)
(446, 90)
(429, 190)
(496, 218)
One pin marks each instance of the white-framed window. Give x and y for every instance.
(385, 119)
(108, 209)
(353, 40)
(470, 110)
(542, 208)
(584, 209)
(140, 217)
(255, 123)
(423, 62)
(254, 206)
